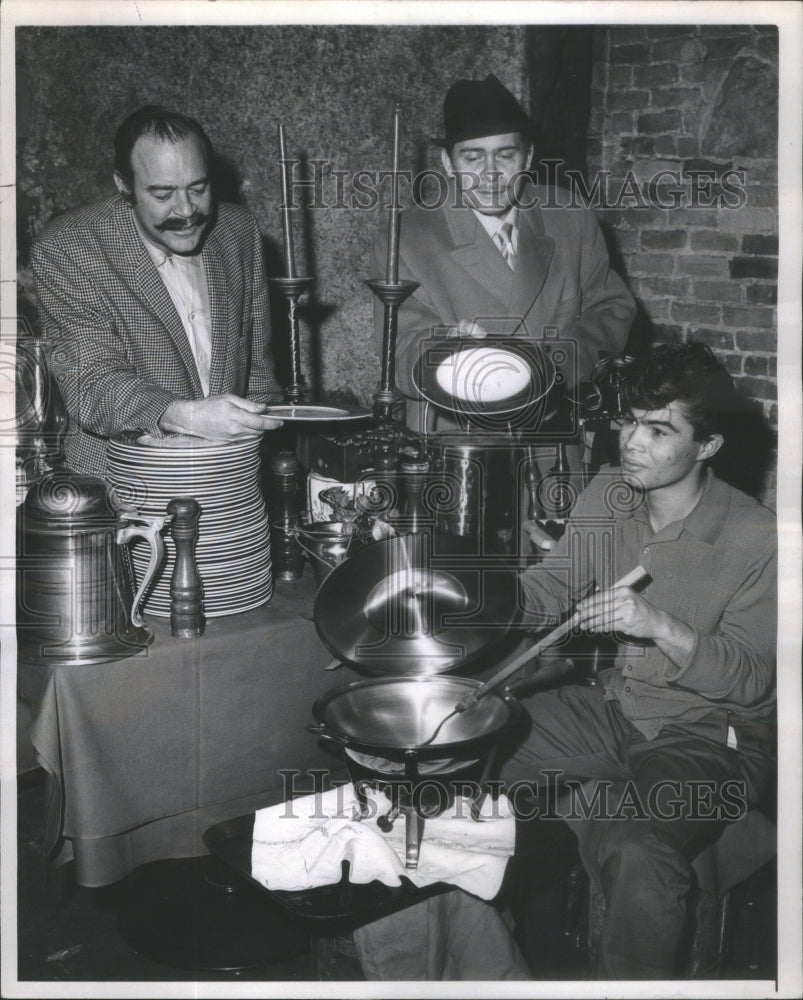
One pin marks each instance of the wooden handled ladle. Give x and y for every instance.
(629, 580)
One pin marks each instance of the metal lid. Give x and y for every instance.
(69, 498)
(414, 604)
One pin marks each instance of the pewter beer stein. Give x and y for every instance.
(77, 597)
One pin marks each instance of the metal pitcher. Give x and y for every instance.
(77, 596)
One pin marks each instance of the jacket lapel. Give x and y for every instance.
(151, 289)
(474, 251)
(533, 257)
(219, 307)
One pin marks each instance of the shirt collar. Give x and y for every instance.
(158, 254)
(708, 517)
(705, 520)
(493, 223)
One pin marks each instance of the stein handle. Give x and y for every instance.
(150, 531)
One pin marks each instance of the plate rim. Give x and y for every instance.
(343, 414)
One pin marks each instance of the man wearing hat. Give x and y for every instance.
(494, 256)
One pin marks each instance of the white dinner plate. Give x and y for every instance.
(316, 414)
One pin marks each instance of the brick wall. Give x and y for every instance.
(683, 136)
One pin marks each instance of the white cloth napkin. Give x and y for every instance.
(301, 843)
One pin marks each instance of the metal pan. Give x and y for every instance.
(391, 716)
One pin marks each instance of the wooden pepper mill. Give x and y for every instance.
(186, 587)
(286, 553)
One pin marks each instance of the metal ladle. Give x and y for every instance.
(629, 580)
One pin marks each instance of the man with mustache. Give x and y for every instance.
(493, 254)
(155, 300)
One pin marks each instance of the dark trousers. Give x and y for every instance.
(669, 798)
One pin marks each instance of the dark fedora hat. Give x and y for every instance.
(476, 108)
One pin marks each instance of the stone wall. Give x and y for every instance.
(684, 133)
(333, 87)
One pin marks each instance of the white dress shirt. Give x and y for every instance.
(493, 223)
(185, 281)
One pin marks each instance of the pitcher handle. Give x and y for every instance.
(149, 530)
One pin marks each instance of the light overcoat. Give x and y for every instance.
(563, 284)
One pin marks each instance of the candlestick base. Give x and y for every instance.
(385, 403)
(391, 292)
(291, 288)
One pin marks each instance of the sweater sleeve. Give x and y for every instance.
(550, 587)
(736, 662)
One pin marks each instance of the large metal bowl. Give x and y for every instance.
(388, 716)
(415, 604)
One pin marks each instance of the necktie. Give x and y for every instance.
(504, 241)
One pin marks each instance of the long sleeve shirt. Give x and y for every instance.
(185, 280)
(715, 570)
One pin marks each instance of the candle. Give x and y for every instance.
(287, 228)
(393, 235)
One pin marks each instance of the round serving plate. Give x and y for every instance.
(214, 553)
(186, 444)
(240, 573)
(310, 413)
(227, 592)
(214, 509)
(172, 480)
(221, 605)
(215, 534)
(147, 455)
(219, 609)
(221, 513)
(253, 570)
(239, 606)
(164, 451)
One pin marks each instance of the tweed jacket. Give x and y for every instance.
(562, 280)
(119, 352)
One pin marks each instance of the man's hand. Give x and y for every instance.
(623, 610)
(467, 329)
(619, 610)
(217, 418)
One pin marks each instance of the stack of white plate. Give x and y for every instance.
(233, 548)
